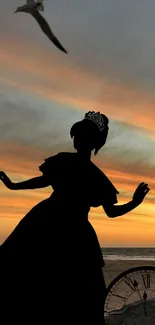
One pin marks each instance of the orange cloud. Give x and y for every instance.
(15, 204)
(66, 83)
(63, 82)
(131, 229)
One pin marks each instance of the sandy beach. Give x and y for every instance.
(111, 270)
(114, 268)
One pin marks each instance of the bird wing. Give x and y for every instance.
(29, 2)
(47, 30)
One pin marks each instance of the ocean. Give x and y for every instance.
(127, 253)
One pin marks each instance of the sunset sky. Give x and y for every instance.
(110, 67)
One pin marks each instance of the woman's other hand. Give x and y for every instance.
(6, 180)
(140, 193)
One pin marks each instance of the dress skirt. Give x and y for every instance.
(51, 269)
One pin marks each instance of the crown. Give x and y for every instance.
(97, 118)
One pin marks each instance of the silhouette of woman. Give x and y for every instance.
(52, 261)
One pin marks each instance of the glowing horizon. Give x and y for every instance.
(43, 92)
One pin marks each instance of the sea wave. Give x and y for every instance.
(129, 257)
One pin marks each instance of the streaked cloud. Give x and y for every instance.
(110, 68)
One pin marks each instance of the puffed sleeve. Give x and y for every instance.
(111, 193)
(105, 191)
(51, 165)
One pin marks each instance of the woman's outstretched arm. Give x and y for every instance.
(32, 183)
(114, 211)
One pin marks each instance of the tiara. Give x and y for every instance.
(96, 118)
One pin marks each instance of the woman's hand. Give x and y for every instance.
(6, 180)
(140, 193)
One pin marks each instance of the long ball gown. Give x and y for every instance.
(51, 264)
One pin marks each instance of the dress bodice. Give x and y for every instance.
(78, 181)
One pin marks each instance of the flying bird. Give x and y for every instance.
(33, 7)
